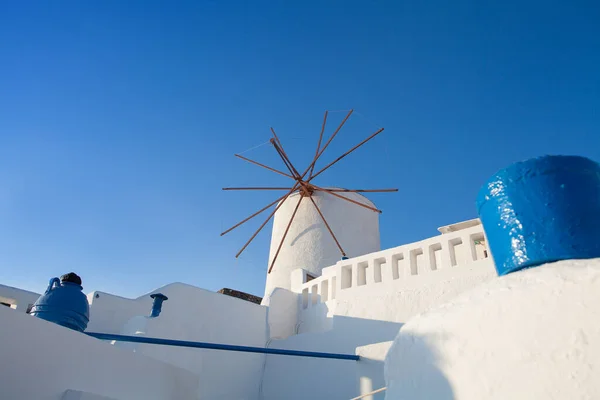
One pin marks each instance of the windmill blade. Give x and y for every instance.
(294, 171)
(268, 218)
(253, 215)
(327, 225)
(256, 188)
(315, 187)
(302, 186)
(279, 152)
(285, 234)
(327, 144)
(346, 153)
(312, 168)
(264, 166)
(285, 160)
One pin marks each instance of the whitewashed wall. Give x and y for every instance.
(397, 283)
(18, 299)
(200, 315)
(370, 370)
(355, 303)
(532, 334)
(109, 313)
(364, 301)
(283, 314)
(315, 378)
(41, 360)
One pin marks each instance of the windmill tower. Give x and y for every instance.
(314, 226)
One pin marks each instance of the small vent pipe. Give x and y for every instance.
(157, 304)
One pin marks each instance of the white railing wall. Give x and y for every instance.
(403, 263)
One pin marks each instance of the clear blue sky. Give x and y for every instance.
(119, 121)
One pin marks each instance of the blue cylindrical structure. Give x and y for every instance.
(64, 303)
(542, 210)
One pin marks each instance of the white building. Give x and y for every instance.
(314, 301)
(18, 299)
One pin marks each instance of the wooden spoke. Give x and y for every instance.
(302, 186)
(276, 137)
(280, 153)
(285, 161)
(328, 227)
(285, 234)
(256, 188)
(268, 218)
(364, 190)
(315, 187)
(312, 168)
(329, 141)
(253, 215)
(264, 166)
(346, 153)
(296, 173)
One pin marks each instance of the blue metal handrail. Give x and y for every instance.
(217, 346)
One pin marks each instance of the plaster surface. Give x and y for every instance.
(367, 315)
(42, 361)
(200, 315)
(533, 334)
(370, 369)
(310, 378)
(355, 303)
(397, 283)
(18, 299)
(364, 301)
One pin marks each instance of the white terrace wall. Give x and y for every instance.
(18, 299)
(42, 360)
(193, 314)
(397, 283)
(365, 300)
(109, 313)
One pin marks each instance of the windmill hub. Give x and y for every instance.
(306, 189)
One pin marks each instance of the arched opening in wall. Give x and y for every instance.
(346, 276)
(416, 261)
(478, 247)
(378, 263)
(435, 256)
(362, 273)
(333, 287)
(456, 251)
(8, 302)
(305, 298)
(315, 294)
(324, 291)
(397, 265)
